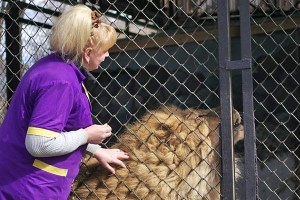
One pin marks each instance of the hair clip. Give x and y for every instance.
(95, 19)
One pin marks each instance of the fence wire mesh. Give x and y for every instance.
(166, 54)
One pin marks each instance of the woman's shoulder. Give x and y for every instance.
(52, 67)
(53, 61)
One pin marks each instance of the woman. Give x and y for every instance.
(48, 125)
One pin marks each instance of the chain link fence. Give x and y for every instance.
(167, 54)
(276, 96)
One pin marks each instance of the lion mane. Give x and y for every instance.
(174, 154)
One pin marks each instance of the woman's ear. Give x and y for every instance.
(87, 55)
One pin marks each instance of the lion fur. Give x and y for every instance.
(174, 154)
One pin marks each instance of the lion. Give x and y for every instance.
(174, 154)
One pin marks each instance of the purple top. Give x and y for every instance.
(50, 99)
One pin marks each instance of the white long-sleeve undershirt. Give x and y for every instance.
(66, 142)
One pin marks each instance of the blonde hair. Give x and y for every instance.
(73, 32)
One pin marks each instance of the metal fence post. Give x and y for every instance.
(228, 189)
(13, 50)
(226, 65)
(248, 108)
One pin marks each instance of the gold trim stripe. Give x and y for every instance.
(86, 93)
(41, 132)
(49, 168)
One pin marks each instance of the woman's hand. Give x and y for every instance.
(111, 157)
(97, 133)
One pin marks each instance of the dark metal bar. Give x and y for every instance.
(238, 64)
(34, 7)
(35, 23)
(13, 49)
(227, 181)
(172, 8)
(248, 109)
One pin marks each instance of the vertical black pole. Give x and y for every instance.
(172, 8)
(13, 49)
(227, 181)
(248, 109)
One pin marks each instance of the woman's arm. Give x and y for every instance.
(66, 142)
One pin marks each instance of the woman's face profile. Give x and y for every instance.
(93, 58)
